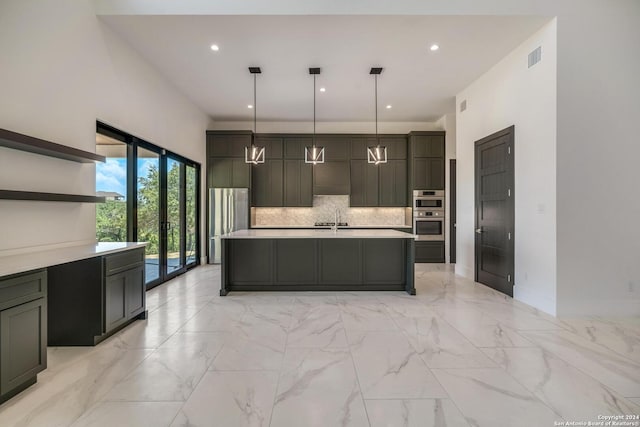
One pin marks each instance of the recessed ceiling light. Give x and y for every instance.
(323, 89)
(389, 107)
(434, 47)
(215, 47)
(249, 106)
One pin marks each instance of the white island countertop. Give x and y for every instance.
(289, 233)
(20, 263)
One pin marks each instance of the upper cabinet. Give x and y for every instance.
(272, 146)
(227, 144)
(293, 146)
(267, 184)
(426, 161)
(225, 159)
(336, 147)
(331, 178)
(298, 183)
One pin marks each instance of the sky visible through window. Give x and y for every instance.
(112, 175)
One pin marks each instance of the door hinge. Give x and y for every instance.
(509, 192)
(509, 278)
(509, 235)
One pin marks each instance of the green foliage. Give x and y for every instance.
(111, 217)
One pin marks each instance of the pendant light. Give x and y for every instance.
(254, 154)
(377, 154)
(313, 154)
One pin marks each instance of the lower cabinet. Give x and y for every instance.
(91, 299)
(430, 251)
(23, 331)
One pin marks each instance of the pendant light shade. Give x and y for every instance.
(378, 153)
(313, 154)
(254, 154)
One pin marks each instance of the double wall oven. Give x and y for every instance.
(428, 214)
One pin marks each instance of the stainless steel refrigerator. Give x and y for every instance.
(228, 211)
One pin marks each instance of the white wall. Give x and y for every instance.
(326, 127)
(512, 94)
(61, 71)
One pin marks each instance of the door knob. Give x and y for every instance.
(478, 230)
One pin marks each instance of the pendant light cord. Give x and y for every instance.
(376, 91)
(255, 106)
(314, 111)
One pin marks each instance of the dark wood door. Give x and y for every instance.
(494, 195)
(452, 211)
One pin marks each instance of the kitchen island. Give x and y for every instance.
(317, 260)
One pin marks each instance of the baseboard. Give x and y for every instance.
(532, 297)
(464, 271)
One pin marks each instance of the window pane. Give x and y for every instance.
(174, 215)
(111, 183)
(149, 210)
(191, 207)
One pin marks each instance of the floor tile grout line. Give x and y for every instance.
(355, 370)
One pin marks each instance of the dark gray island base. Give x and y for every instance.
(317, 260)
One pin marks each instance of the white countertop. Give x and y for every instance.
(318, 234)
(28, 261)
(284, 227)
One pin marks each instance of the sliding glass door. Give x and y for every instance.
(149, 210)
(153, 197)
(174, 225)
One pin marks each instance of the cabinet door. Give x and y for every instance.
(364, 184)
(428, 173)
(331, 178)
(428, 145)
(396, 147)
(335, 147)
(135, 289)
(220, 172)
(23, 343)
(298, 183)
(430, 251)
(231, 145)
(293, 147)
(393, 183)
(272, 146)
(240, 174)
(115, 301)
(266, 189)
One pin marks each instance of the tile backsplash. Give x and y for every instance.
(323, 210)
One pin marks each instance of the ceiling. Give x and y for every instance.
(419, 84)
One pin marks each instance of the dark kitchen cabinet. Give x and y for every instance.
(429, 251)
(428, 173)
(396, 147)
(331, 178)
(272, 146)
(227, 143)
(428, 145)
(298, 183)
(426, 160)
(23, 331)
(364, 184)
(336, 147)
(393, 183)
(267, 184)
(93, 298)
(293, 147)
(228, 173)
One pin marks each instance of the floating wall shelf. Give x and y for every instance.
(18, 141)
(48, 197)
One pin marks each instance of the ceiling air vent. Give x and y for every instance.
(535, 56)
(463, 105)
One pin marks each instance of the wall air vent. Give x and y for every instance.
(463, 105)
(535, 56)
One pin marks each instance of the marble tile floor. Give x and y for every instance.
(456, 354)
